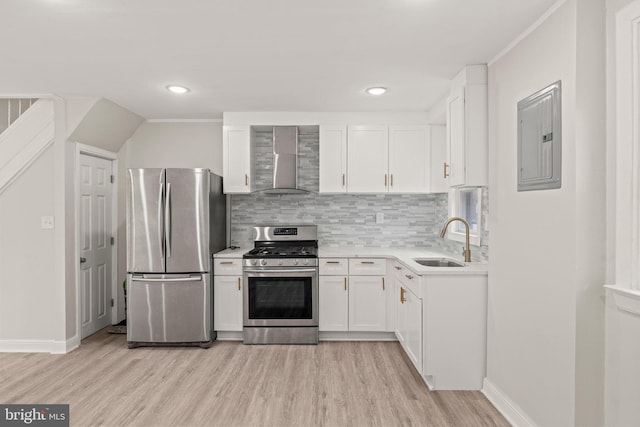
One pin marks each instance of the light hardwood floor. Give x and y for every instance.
(230, 384)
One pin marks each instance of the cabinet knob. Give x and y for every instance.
(408, 276)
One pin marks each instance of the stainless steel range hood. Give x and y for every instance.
(285, 160)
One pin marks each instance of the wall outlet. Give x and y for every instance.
(379, 218)
(46, 222)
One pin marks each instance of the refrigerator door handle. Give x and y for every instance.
(197, 278)
(167, 220)
(161, 219)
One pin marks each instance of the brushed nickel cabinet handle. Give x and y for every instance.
(385, 179)
(343, 180)
(239, 283)
(445, 169)
(367, 262)
(246, 179)
(402, 298)
(332, 262)
(226, 262)
(345, 283)
(383, 283)
(392, 180)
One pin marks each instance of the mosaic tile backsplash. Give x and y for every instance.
(349, 219)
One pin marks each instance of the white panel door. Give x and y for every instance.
(333, 303)
(367, 303)
(95, 243)
(368, 159)
(236, 159)
(333, 159)
(456, 138)
(227, 303)
(409, 163)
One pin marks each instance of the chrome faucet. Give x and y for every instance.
(467, 250)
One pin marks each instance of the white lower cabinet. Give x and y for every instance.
(455, 331)
(367, 304)
(410, 326)
(352, 303)
(333, 303)
(409, 314)
(227, 303)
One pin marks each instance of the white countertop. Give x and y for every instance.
(404, 255)
(232, 253)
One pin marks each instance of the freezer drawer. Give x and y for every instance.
(168, 308)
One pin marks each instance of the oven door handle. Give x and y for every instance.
(296, 270)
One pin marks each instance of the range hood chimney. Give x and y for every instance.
(285, 160)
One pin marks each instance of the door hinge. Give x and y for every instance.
(112, 179)
(111, 302)
(113, 241)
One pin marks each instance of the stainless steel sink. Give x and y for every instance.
(438, 262)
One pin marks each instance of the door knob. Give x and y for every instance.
(83, 260)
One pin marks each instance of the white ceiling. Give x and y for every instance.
(252, 55)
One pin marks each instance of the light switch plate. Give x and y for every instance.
(46, 222)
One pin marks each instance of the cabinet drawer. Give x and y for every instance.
(227, 267)
(408, 279)
(334, 267)
(367, 266)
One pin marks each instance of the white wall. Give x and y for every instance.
(545, 276)
(26, 262)
(164, 145)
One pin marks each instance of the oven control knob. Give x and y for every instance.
(263, 262)
(254, 262)
(306, 262)
(295, 262)
(279, 262)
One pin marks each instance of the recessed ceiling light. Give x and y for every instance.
(178, 89)
(376, 90)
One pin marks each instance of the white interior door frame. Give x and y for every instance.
(113, 157)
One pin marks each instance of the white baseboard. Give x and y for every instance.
(512, 412)
(36, 346)
(357, 336)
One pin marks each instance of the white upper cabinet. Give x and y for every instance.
(467, 127)
(333, 159)
(409, 159)
(368, 159)
(438, 182)
(236, 164)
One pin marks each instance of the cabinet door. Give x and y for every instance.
(456, 138)
(413, 328)
(401, 315)
(368, 159)
(438, 182)
(227, 303)
(236, 159)
(409, 159)
(367, 303)
(333, 303)
(333, 159)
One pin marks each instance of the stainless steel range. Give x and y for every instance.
(281, 291)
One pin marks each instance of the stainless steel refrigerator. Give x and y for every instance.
(176, 219)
